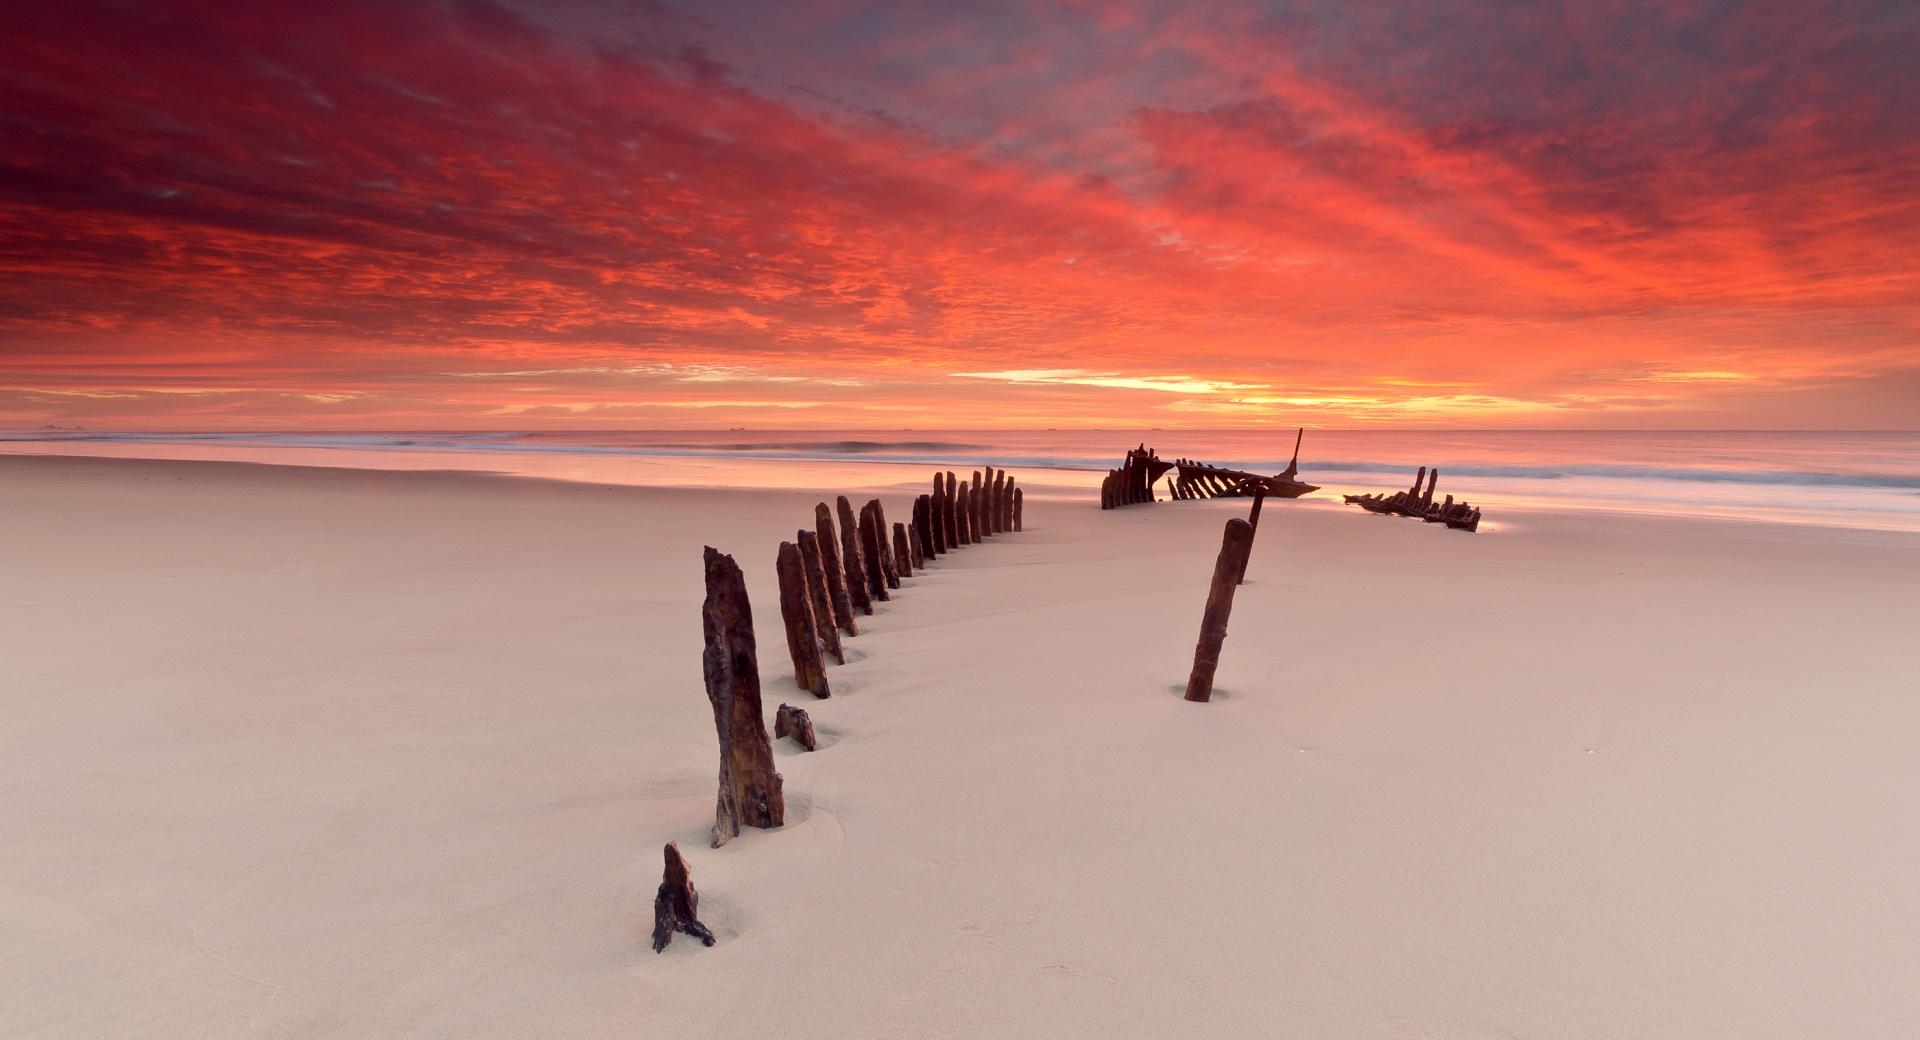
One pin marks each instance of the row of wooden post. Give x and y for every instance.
(1133, 481)
(827, 577)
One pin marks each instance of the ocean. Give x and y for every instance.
(1842, 479)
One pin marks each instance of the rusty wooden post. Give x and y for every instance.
(963, 515)
(1232, 563)
(1018, 494)
(889, 568)
(796, 610)
(790, 721)
(902, 550)
(855, 559)
(826, 620)
(1253, 522)
(870, 549)
(836, 573)
(676, 906)
(750, 788)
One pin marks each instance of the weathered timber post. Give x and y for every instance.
(902, 550)
(916, 549)
(889, 570)
(871, 549)
(1232, 563)
(836, 573)
(953, 511)
(1426, 497)
(974, 498)
(1017, 496)
(1253, 521)
(796, 610)
(858, 586)
(1419, 479)
(1006, 505)
(676, 906)
(963, 515)
(923, 531)
(997, 515)
(750, 789)
(936, 515)
(826, 621)
(790, 721)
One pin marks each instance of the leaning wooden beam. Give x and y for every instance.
(826, 621)
(835, 572)
(1227, 569)
(902, 550)
(871, 550)
(790, 721)
(676, 906)
(796, 610)
(750, 788)
(1018, 494)
(852, 559)
(889, 569)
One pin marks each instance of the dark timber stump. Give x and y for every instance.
(937, 516)
(793, 722)
(923, 532)
(902, 550)
(676, 906)
(871, 548)
(1000, 502)
(836, 574)
(963, 516)
(1232, 563)
(915, 546)
(825, 624)
(953, 512)
(750, 792)
(1017, 496)
(890, 568)
(796, 610)
(856, 564)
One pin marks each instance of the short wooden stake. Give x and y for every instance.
(676, 906)
(793, 722)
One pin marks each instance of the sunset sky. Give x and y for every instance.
(657, 215)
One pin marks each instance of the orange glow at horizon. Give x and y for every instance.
(468, 215)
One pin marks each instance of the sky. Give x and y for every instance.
(555, 215)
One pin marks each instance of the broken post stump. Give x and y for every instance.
(796, 610)
(836, 573)
(794, 722)
(1232, 563)
(902, 550)
(750, 791)
(855, 560)
(1017, 496)
(825, 625)
(676, 906)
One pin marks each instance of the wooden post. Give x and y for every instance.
(676, 906)
(953, 510)
(889, 570)
(790, 721)
(996, 503)
(902, 550)
(796, 610)
(1419, 479)
(871, 548)
(916, 548)
(1017, 496)
(925, 533)
(974, 498)
(850, 554)
(1253, 521)
(835, 573)
(1232, 563)
(826, 620)
(750, 788)
(1426, 497)
(963, 515)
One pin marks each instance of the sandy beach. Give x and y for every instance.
(296, 752)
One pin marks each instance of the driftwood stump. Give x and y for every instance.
(793, 722)
(750, 792)
(1017, 503)
(796, 610)
(828, 546)
(826, 626)
(858, 587)
(676, 906)
(1213, 624)
(889, 567)
(902, 550)
(872, 547)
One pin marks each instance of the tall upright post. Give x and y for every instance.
(889, 568)
(853, 557)
(953, 509)
(750, 788)
(826, 622)
(1234, 544)
(796, 611)
(836, 573)
(872, 550)
(1018, 495)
